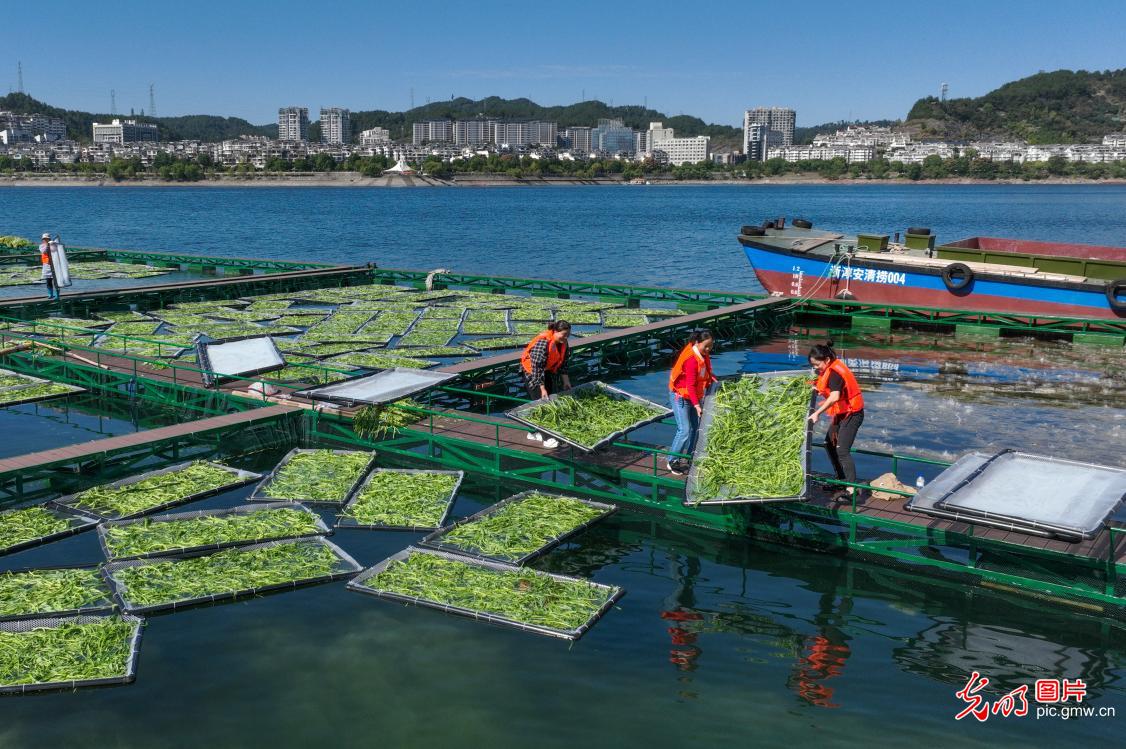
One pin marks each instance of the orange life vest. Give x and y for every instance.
(556, 352)
(677, 378)
(851, 399)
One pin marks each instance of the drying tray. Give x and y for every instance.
(385, 386)
(30, 382)
(360, 585)
(520, 413)
(103, 606)
(239, 478)
(50, 622)
(243, 357)
(1038, 494)
(104, 528)
(702, 446)
(259, 493)
(346, 567)
(345, 522)
(79, 521)
(434, 540)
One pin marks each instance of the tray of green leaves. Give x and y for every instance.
(31, 526)
(500, 342)
(402, 499)
(753, 443)
(427, 338)
(379, 360)
(494, 592)
(170, 583)
(617, 319)
(485, 327)
(382, 420)
(36, 391)
(589, 415)
(208, 530)
(315, 477)
(68, 652)
(519, 528)
(409, 349)
(157, 490)
(53, 591)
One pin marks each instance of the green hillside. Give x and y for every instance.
(585, 113)
(1064, 106)
(189, 127)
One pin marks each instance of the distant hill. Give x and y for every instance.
(1064, 106)
(189, 127)
(585, 113)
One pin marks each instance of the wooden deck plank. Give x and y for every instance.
(109, 444)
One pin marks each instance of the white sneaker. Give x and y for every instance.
(535, 436)
(551, 443)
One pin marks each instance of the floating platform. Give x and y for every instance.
(458, 427)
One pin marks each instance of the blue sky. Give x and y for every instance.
(828, 60)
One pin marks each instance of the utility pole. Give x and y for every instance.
(152, 100)
(19, 73)
(112, 101)
(412, 97)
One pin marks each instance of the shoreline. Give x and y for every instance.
(354, 179)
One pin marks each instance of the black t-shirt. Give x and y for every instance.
(837, 383)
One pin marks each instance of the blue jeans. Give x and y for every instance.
(687, 424)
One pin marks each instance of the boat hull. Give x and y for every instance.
(817, 277)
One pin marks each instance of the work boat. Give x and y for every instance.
(980, 273)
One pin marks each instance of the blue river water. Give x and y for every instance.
(718, 639)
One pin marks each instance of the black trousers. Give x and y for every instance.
(838, 443)
(550, 381)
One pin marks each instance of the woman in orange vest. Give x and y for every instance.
(544, 362)
(845, 404)
(689, 379)
(48, 270)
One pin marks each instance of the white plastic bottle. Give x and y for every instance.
(920, 482)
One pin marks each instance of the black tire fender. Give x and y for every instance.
(801, 223)
(1114, 291)
(754, 231)
(957, 277)
(918, 230)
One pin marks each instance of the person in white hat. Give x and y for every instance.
(48, 269)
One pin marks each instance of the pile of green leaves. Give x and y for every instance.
(485, 328)
(50, 591)
(522, 527)
(523, 595)
(412, 500)
(317, 476)
(409, 349)
(340, 323)
(67, 652)
(487, 315)
(29, 524)
(588, 416)
(236, 570)
(155, 536)
(501, 342)
(427, 338)
(30, 392)
(378, 361)
(622, 320)
(11, 242)
(380, 421)
(155, 491)
(755, 443)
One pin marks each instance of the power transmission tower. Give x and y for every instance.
(944, 89)
(19, 73)
(152, 100)
(112, 101)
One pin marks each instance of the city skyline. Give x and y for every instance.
(846, 66)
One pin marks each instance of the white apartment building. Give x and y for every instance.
(125, 131)
(916, 153)
(375, 136)
(336, 125)
(758, 139)
(432, 131)
(665, 147)
(473, 132)
(293, 123)
(777, 119)
(579, 139)
(532, 132)
(1115, 140)
(853, 154)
